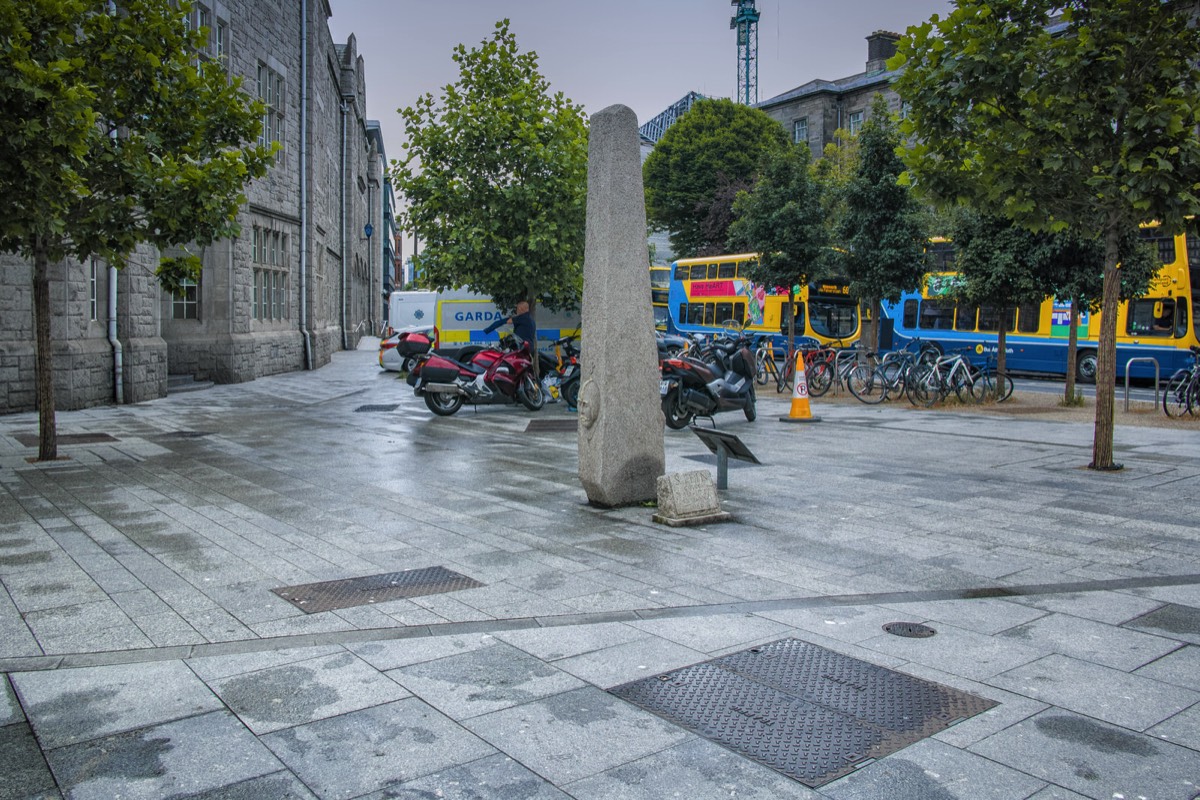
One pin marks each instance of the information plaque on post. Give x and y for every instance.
(724, 444)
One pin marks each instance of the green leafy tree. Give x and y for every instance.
(881, 233)
(782, 220)
(1087, 122)
(112, 135)
(496, 180)
(833, 172)
(716, 144)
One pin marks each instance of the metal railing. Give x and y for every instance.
(1153, 361)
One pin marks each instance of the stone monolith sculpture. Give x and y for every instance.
(620, 415)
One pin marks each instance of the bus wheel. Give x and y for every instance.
(1085, 366)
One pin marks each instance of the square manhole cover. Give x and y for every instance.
(350, 592)
(807, 712)
(377, 408)
(552, 425)
(31, 439)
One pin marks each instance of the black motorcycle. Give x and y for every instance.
(719, 377)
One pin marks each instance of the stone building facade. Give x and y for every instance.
(298, 283)
(812, 112)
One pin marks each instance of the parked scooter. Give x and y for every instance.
(490, 376)
(720, 377)
(562, 370)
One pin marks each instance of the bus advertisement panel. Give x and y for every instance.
(1161, 325)
(708, 295)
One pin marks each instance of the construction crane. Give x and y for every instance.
(745, 22)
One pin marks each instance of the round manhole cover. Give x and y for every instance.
(911, 630)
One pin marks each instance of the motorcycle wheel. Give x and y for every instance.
(749, 409)
(529, 392)
(676, 415)
(570, 394)
(443, 403)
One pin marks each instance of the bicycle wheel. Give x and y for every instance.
(784, 375)
(760, 366)
(996, 388)
(1179, 390)
(820, 378)
(970, 386)
(918, 374)
(866, 385)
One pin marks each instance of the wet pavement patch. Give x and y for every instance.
(1183, 621)
(350, 592)
(804, 711)
(31, 439)
(552, 426)
(377, 408)
(174, 435)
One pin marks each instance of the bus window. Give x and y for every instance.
(662, 319)
(991, 318)
(1029, 318)
(1193, 248)
(712, 272)
(965, 319)
(1181, 320)
(699, 272)
(739, 313)
(682, 272)
(910, 314)
(937, 315)
(709, 315)
(798, 310)
(1163, 241)
(724, 313)
(726, 270)
(833, 319)
(695, 313)
(683, 312)
(1151, 317)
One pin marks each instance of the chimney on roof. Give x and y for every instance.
(881, 45)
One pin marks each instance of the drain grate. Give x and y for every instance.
(910, 630)
(385, 407)
(807, 712)
(350, 592)
(552, 425)
(31, 439)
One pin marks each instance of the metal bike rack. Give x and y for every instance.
(1153, 361)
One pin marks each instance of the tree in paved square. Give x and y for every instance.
(496, 180)
(1060, 114)
(114, 132)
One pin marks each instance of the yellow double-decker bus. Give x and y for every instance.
(708, 294)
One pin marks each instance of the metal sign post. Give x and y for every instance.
(724, 445)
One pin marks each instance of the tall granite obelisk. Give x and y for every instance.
(620, 415)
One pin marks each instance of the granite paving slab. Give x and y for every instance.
(1111, 695)
(1181, 668)
(1094, 758)
(293, 694)
(281, 785)
(1097, 642)
(10, 709)
(629, 661)
(983, 615)
(73, 705)
(483, 680)
(176, 759)
(26, 776)
(494, 777)
(1182, 729)
(374, 749)
(1175, 620)
(958, 651)
(933, 770)
(576, 734)
(693, 769)
(1111, 607)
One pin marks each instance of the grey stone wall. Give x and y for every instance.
(227, 343)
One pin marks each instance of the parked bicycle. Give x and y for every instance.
(1183, 389)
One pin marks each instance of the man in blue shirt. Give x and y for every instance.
(523, 325)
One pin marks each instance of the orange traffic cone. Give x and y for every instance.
(800, 411)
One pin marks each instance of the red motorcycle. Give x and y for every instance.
(489, 376)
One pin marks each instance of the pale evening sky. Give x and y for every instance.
(645, 54)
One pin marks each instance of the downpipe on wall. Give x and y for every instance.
(118, 353)
(345, 245)
(303, 289)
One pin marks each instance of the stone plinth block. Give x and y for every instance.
(620, 415)
(688, 498)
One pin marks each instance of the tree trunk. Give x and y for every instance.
(533, 346)
(44, 359)
(1106, 352)
(1072, 353)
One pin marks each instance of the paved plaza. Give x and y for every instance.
(144, 653)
